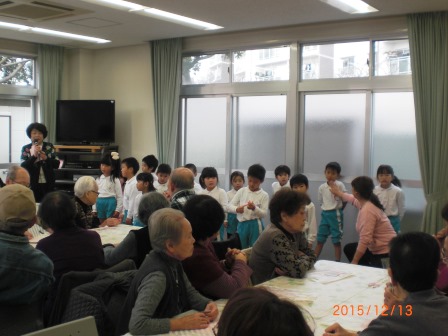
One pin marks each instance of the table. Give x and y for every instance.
(351, 295)
(109, 235)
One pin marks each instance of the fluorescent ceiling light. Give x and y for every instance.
(156, 13)
(51, 32)
(351, 6)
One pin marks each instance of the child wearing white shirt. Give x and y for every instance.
(251, 204)
(129, 167)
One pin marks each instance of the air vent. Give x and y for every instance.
(37, 10)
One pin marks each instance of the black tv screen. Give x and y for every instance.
(85, 121)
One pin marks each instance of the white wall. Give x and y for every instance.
(123, 74)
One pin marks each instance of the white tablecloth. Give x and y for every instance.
(109, 235)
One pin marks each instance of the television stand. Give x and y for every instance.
(77, 161)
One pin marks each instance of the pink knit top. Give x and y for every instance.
(373, 227)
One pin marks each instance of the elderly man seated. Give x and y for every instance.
(25, 273)
(17, 175)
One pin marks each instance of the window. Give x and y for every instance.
(261, 65)
(17, 91)
(392, 58)
(205, 69)
(16, 71)
(339, 60)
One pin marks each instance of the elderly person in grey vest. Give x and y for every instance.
(160, 289)
(282, 248)
(86, 194)
(137, 245)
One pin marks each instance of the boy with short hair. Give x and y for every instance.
(163, 174)
(197, 187)
(282, 174)
(332, 220)
(299, 182)
(149, 165)
(250, 204)
(129, 168)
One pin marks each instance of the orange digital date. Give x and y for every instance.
(361, 310)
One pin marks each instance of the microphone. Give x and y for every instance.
(36, 142)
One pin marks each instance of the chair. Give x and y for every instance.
(16, 320)
(103, 298)
(74, 279)
(82, 327)
(222, 246)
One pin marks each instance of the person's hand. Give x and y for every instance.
(120, 217)
(241, 257)
(35, 150)
(336, 330)
(334, 189)
(279, 271)
(211, 311)
(116, 214)
(192, 321)
(240, 209)
(251, 205)
(111, 221)
(28, 235)
(129, 221)
(391, 297)
(43, 156)
(167, 195)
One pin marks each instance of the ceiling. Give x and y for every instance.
(124, 28)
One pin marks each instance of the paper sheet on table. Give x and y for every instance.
(327, 276)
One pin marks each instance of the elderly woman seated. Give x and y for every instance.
(86, 194)
(282, 248)
(137, 245)
(160, 289)
(70, 247)
(221, 279)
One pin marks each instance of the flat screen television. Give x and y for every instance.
(85, 122)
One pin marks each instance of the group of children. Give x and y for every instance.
(245, 207)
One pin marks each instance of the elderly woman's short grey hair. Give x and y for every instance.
(150, 203)
(85, 184)
(165, 224)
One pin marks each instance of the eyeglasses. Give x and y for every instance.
(96, 192)
(215, 329)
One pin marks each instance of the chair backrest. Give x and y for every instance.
(74, 279)
(102, 298)
(222, 246)
(82, 327)
(16, 320)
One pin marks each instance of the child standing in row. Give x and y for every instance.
(129, 167)
(282, 174)
(237, 182)
(299, 182)
(332, 219)
(110, 197)
(149, 165)
(251, 204)
(194, 170)
(163, 175)
(390, 195)
(209, 181)
(144, 186)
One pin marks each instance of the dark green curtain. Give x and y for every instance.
(428, 40)
(50, 61)
(166, 70)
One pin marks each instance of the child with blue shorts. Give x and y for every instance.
(332, 219)
(251, 204)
